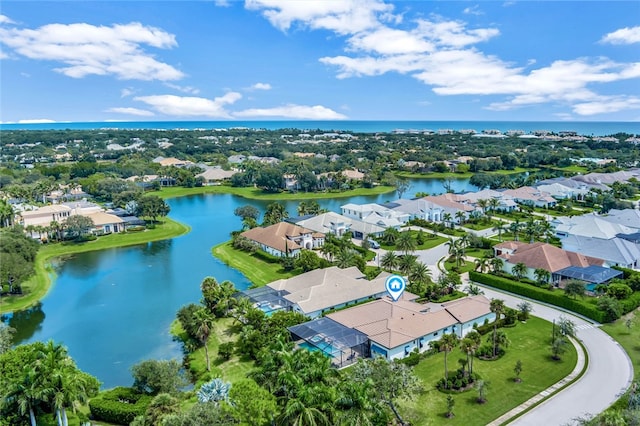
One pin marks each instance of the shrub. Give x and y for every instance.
(119, 405)
(554, 298)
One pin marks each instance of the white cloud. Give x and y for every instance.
(343, 16)
(86, 49)
(454, 33)
(607, 104)
(261, 86)
(623, 36)
(189, 106)
(184, 89)
(5, 20)
(126, 92)
(473, 10)
(36, 121)
(131, 111)
(303, 112)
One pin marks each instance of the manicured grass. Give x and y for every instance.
(466, 266)
(255, 269)
(430, 241)
(529, 344)
(456, 175)
(258, 194)
(629, 339)
(236, 368)
(36, 288)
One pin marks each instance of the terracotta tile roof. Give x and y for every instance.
(392, 324)
(278, 236)
(325, 288)
(548, 257)
(445, 200)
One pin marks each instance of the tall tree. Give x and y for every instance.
(153, 206)
(391, 381)
(496, 306)
(446, 344)
(78, 226)
(406, 243)
(204, 321)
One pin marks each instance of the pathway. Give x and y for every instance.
(608, 374)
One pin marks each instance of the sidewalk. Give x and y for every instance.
(550, 391)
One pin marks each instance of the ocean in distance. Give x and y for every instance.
(585, 128)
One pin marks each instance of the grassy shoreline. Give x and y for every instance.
(39, 285)
(258, 194)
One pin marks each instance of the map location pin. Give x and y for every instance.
(395, 285)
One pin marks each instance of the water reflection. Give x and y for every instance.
(26, 322)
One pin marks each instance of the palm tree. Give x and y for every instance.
(345, 258)
(446, 344)
(6, 214)
(390, 235)
(460, 216)
(27, 393)
(519, 270)
(406, 243)
(496, 264)
(542, 275)
(499, 228)
(204, 320)
(406, 263)
(446, 218)
(482, 264)
(514, 228)
(475, 340)
(497, 307)
(390, 261)
(420, 274)
(482, 203)
(494, 203)
(531, 230)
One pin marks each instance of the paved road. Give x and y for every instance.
(609, 373)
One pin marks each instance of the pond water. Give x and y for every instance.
(112, 308)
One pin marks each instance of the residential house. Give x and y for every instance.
(353, 174)
(284, 239)
(337, 224)
(589, 225)
(105, 223)
(505, 201)
(615, 251)
(395, 329)
(531, 196)
(43, 216)
(450, 204)
(629, 218)
(172, 161)
(215, 175)
(561, 264)
(375, 214)
(317, 291)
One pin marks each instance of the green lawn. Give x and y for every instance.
(465, 267)
(430, 241)
(629, 339)
(36, 287)
(529, 344)
(258, 194)
(256, 270)
(224, 330)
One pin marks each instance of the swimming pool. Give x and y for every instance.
(327, 349)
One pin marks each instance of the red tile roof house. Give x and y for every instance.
(284, 238)
(541, 255)
(395, 329)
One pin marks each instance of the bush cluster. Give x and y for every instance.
(554, 298)
(119, 405)
(457, 381)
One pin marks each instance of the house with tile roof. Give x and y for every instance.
(588, 225)
(614, 251)
(560, 263)
(375, 214)
(317, 291)
(284, 239)
(337, 224)
(395, 329)
(215, 175)
(531, 196)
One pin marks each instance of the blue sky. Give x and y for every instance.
(319, 60)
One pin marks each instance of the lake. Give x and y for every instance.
(112, 308)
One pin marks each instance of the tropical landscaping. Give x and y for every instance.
(239, 365)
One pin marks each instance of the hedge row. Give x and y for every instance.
(553, 298)
(119, 405)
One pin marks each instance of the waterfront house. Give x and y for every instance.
(284, 239)
(337, 224)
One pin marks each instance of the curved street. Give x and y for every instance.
(608, 374)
